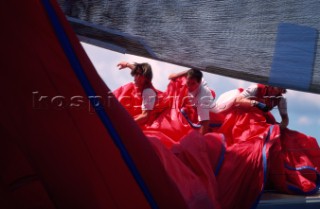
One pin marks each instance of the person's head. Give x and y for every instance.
(142, 74)
(273, 90)
(194, 78)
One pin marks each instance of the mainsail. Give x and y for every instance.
(261, 41)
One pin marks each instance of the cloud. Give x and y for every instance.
(301, 98)
(304, 120)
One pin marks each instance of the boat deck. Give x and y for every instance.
(276, 200)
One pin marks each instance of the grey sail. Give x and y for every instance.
(263, 41)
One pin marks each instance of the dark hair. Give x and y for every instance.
(283, 90)
(195, 74)
(142, 69)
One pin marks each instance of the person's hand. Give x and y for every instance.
(284, 123)
(172, 76)
(122, 65)
(261, 106)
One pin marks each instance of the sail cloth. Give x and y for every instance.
(60, 147)
(247, 152)
(241, 39)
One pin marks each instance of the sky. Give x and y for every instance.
(303, 108)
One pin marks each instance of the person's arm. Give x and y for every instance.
(147, 105)
(125, 64)
(283, 113)
(243, 101)
(284, 121)
(204, 102)
(204, 127)
(143, 117)
(247, 99)
(176, 75)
